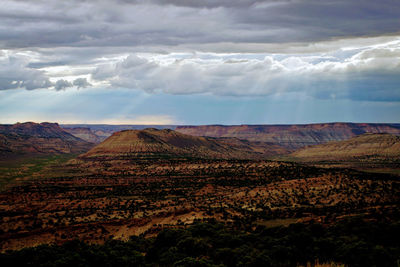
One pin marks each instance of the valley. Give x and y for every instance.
(144, 182)
(107, 202)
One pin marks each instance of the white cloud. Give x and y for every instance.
(323, 76)
(15, 73)
(370, 71)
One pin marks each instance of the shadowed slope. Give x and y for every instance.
(35, 138)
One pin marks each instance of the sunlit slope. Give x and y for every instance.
(363, 146)
(167, 143)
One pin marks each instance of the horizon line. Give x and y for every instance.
(212, 124)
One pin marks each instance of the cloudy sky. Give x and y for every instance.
(200, 62)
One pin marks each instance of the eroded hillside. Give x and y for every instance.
(153, 143)
(38, 138)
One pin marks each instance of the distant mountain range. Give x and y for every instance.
(39, 138)
(291, 137)
(335, 144)
(243, 141)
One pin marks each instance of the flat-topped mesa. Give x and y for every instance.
(365, 145)
(44, 129)
(153, 143)
(292, 136)
(38, 138)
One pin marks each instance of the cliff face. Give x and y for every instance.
(35, 138)
(85, 134)
(291, 136)
(102, 131)
(371, 146)
(153, 143)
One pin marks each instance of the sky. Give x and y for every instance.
(200, 62)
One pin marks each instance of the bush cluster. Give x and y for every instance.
(352, 242)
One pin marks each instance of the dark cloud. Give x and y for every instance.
(39, 65)
(62, 84)
(214, 3)
(320, 20)
(171, 23)
(81, 83)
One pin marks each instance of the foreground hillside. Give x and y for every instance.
(99, 199)
(150, 143)
(292, 136)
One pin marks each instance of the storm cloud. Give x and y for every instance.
(332, 49)
(47, 23)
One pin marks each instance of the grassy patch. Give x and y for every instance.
(25, 168)
(277, 222)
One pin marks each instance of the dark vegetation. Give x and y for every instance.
(353, 242)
